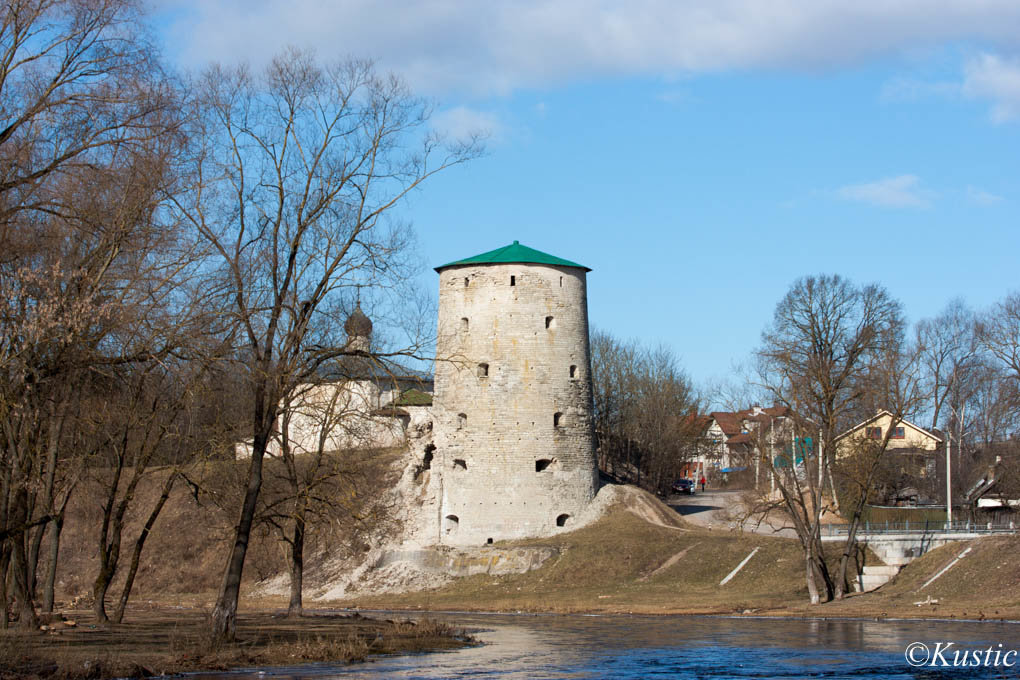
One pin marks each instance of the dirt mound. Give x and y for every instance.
(648, 507)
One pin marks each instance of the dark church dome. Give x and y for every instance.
(357, 324)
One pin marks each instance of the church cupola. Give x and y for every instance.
(359, 330)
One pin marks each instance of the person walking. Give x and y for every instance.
(702, 482)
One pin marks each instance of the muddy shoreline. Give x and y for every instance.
(165, 641)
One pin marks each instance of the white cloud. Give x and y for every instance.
(992, 77)
(982, 197)
(496, 47)
(461, 123)
(903, 191)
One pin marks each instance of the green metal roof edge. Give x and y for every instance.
(515, 253)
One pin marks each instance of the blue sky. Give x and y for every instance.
(698, 156)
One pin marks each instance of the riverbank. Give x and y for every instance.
(628, 564)
(164, 641)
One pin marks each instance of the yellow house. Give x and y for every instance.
(906, 436)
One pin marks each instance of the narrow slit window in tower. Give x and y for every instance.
(542, 464)
(461, 420)
(557, 419)
(562, 520)
(573, 371)
(459, 464)
(513, 280)
(464, 323)
(483, 370)
(550, 322)
(561, 282)
(467, 281)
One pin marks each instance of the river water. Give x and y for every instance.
(633, 647)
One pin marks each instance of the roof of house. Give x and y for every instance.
(886, 414)
(378, 369)
(729, 423)
(732, 423)
(515, 253)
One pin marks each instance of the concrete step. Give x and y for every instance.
(882, 570)
(876, 575)
(898, 560)
(872, 581)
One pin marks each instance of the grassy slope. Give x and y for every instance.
(984, 584)
(610, 566)
(615, 565)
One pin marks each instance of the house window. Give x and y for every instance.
(451, 523)
(557, 419)
(466, 281)
(873, 432)
(550, 322)
(513, 280)
(464, 323)
(459, 464)
(461, 420)
(573, 371)
(542, 464)
(483, 370)
(898, 433)
(562, 520)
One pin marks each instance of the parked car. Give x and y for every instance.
(684, 485)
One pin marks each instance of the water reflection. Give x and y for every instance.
(526, 647)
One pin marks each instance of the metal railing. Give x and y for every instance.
(925, 527)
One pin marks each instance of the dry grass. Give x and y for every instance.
(161, 642)
(617, 565)
(624, 564)
(983, 585)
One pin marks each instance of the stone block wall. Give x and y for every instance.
(512, 405)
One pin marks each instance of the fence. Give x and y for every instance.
(922, 527)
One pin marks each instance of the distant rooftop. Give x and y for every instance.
(515, 253)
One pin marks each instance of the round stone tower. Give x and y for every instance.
(513, 397)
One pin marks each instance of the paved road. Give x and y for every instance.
(721, 509)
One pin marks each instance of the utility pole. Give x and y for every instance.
(949, 481)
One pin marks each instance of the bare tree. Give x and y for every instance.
(297, 172)
(76, 76)
(85, 107)
(327, 457)
(892, 382)
(813, 359)
(645, 412)
(998, 332)
(948, 348)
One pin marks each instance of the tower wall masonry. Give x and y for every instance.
(512, 404)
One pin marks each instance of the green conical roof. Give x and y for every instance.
(515, 253)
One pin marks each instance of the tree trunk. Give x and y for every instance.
(224, 615)
(136, 554)
(27, 618)
(49, 477)
(812, 586)
(297, 565)
(5, 561)
(51, 566)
